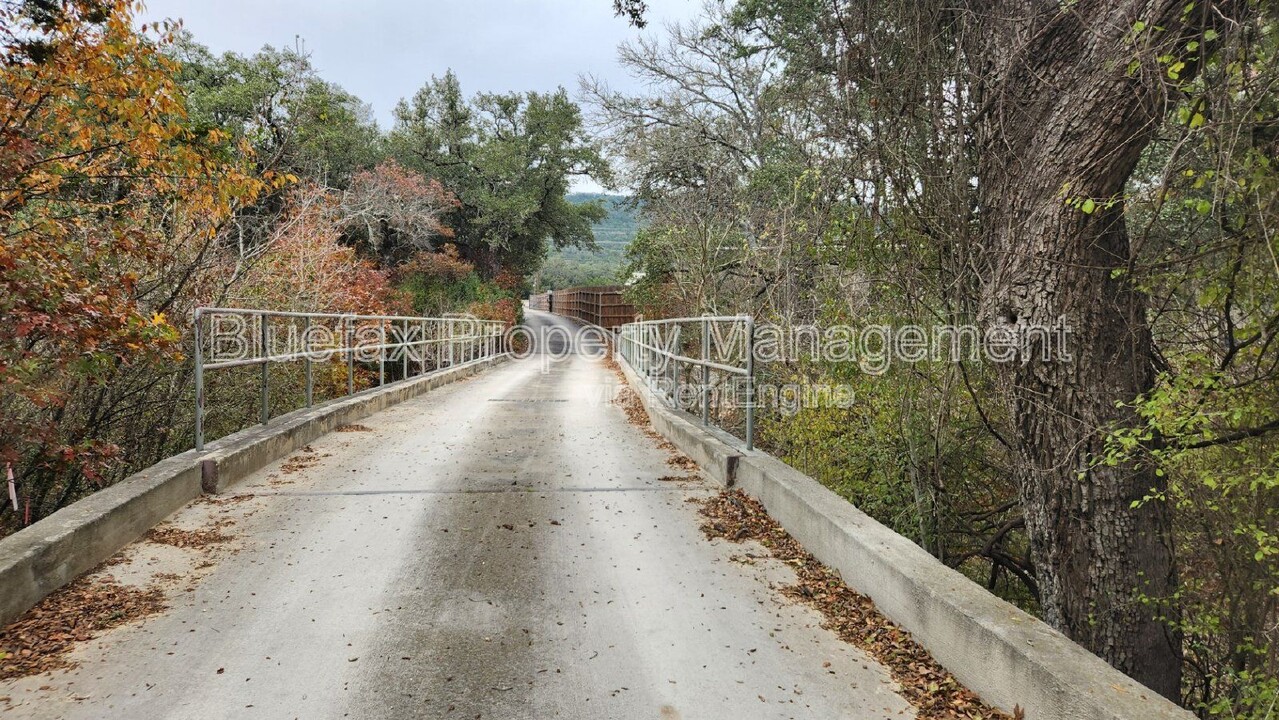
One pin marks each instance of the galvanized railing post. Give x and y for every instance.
(750, 383)
(673, 365)
(266, 368)
(404, 349)
(421, 350)
(381, 353)
(199, 382)
(706, 372)
(350, 355)
(306, 360)
(450, 341)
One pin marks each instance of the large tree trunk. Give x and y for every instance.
(1061, 125)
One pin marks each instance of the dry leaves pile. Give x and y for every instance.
(925, 684)
(353, 428)
(629, 401)
(42, 638)
(194, 539)
(224, 500)
(303, 459)
(680, 461)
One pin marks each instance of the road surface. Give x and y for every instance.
(503, 547)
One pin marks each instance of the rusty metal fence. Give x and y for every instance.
(602, 306)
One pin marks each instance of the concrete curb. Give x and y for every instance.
(996, 650)
(41, 558)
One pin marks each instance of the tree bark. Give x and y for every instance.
(1062, 121)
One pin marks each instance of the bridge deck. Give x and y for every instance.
(500, 548)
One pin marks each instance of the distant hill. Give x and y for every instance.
(621, 224)
(575, 266)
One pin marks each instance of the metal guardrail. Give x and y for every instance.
(657, 349)
(253, 338)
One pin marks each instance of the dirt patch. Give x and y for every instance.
(191, 539)
(928, 686)
(353, 428)
(42, 638)
(677, 478)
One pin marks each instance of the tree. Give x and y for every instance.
(509, 159)
(107, 200)
(1071, 96)
(395, 211)
(295, 121)
(308, 268)
(1056, 102)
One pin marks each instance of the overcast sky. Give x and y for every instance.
(383, 50)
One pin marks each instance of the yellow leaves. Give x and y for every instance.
(280, 180)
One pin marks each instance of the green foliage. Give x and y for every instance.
(509, 159)
(294, 119)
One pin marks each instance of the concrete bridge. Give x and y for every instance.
(510, 546)
(503, 547)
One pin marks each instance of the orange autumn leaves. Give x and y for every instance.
(312, 261)
(101, 183)
(119, 214)
(305, 267)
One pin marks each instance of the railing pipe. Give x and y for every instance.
(706, 372)
(350, 355)
(646, 348)
(266, 369)
(199, 382)
(404, 350)
(381, 354)
(482, 339)
(750, 384)
(310, 375)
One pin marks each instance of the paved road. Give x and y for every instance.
(501, 548)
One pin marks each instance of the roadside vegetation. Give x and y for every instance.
(1004, 164)
(142, 175)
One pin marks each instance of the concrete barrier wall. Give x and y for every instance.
(1003, 654)
(56, 550)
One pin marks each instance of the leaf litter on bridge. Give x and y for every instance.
(737, 517)
(44, 638)
(45, 635)
(629, 400)
(178, 537)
